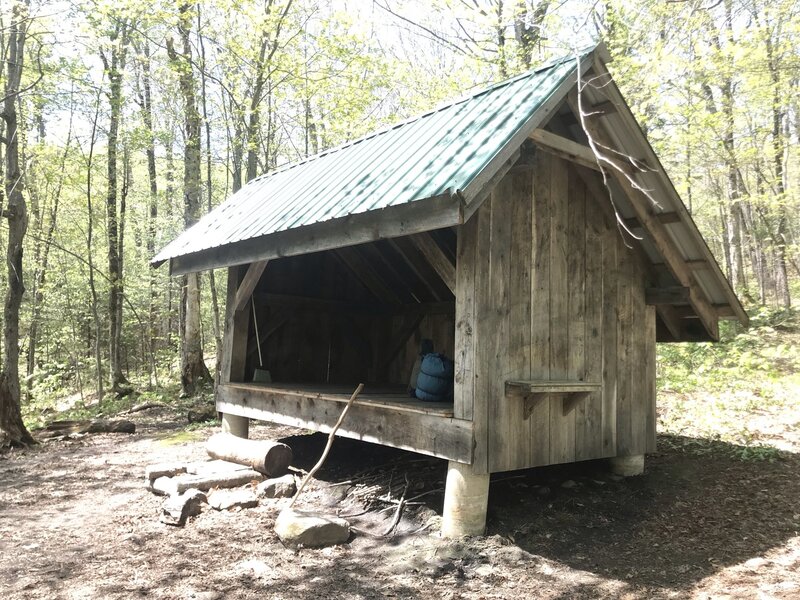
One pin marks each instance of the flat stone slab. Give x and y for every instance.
(214, 467)
(310, 529)
(228, 499)
(278, 487)
(153, 472)
(177, 509)
(168, 486)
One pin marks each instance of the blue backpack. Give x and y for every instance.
(435, 379)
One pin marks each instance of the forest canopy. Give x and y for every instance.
(124, 122)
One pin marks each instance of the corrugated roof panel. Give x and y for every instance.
(439, 152)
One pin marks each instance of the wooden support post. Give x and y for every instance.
(234, 351)
(627, 466)
(466, 500)
(235, 425)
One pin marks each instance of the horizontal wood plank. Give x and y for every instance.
(551, 386)
(395, 221)
(429, 434)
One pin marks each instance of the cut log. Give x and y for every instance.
(65, 428)
(265, 456)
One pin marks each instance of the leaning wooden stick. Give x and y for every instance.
(328, 445)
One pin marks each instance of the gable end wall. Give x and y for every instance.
(546, 289)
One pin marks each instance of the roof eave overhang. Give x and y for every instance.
(733, 308)
(446, 210)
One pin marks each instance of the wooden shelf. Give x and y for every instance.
(533, 392)
(553, 386)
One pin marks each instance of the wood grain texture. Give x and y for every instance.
(433, 435)
(234, 341)
(464, 382)
(625, 349)
(539, 420)
(483, 338)
(589, 432)
(436, 258)
(576, 302)
(650, 379)
(251, 279)
(562, 428)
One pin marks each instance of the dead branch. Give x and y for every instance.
(325, 452)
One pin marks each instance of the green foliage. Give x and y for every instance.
(742, 391)
(758, 356)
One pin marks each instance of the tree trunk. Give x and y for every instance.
(193, 369)
(98, 357)
(209, 189)
(152, 222)
(781, 275)
(114, 65)
(12, 428)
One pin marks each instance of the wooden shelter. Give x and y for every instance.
(547, 269)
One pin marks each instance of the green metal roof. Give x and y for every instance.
(443, 153)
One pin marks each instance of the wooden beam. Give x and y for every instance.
(724, 311)
(248, 284)
(661, 239)
(565, 148)
(481, 186)
(396, 426)
(363, 270)
(667, 295)
(671, 321)
(421, 269)
(394, 221)
(437, 259)
(664, 218)
(601, 109)
(697, 264)
(234, 341)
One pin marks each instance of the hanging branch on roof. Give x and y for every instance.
(604, 161)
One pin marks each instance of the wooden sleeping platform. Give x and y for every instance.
(382, 414)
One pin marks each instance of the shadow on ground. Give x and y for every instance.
(698, 509)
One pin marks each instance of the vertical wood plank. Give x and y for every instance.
(519, 337)
(562, 427)
(610, 274)
(638, 360)
(589, 437)
(625, 350)
(539, 420)
(482, 339)
(464, 356)
(503, 432)
(650, 379)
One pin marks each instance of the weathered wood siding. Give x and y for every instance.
(547, 289)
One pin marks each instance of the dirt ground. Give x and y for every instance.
(77, 522)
